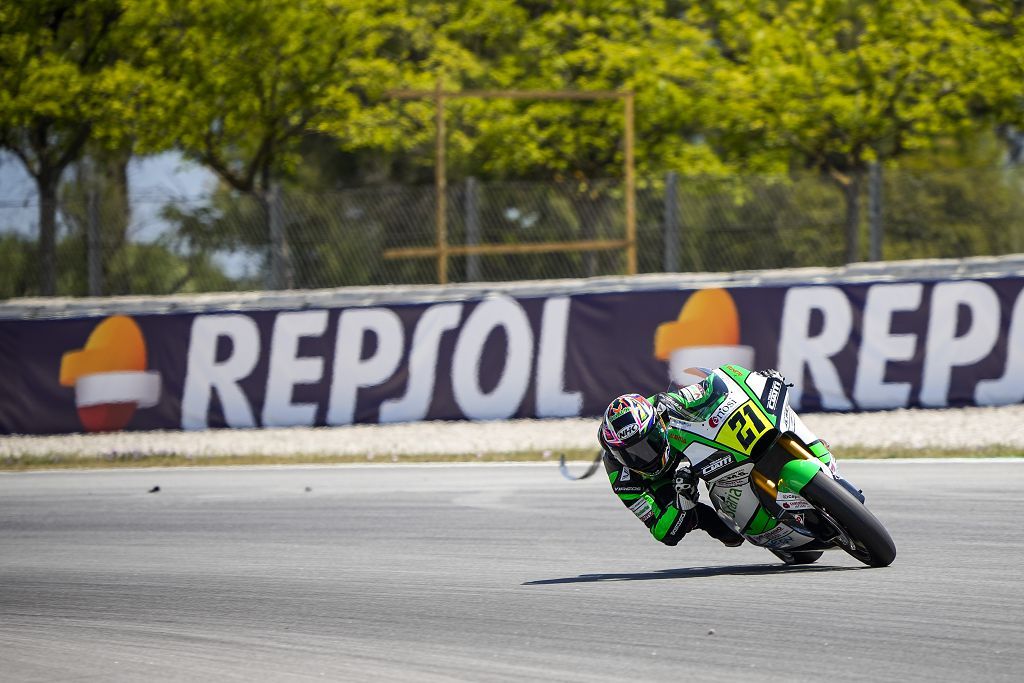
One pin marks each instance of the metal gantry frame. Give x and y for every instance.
(442, 250)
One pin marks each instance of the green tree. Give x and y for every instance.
(68, 79)
(1002, 81)
(95, 205)
(18, 263)
(254, 78)
(958, 200)
(261, 86)
(598, 45)
(56, 71)
(837, 84)
(465, 44)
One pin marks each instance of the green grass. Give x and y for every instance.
(867, 453)
(59, 461)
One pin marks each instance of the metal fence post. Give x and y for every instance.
(280, 261)
(851, 192)
(630, 178)
(875, 209)
(441, 185)
(88, 182)
(472, 217)
(671, 226)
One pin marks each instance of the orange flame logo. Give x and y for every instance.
(109, 375)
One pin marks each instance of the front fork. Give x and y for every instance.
(797, 472)
(794, 473)
(797, 467)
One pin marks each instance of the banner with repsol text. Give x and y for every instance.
(844, 346)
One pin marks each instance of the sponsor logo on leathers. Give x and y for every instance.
(679, 522)
(642, 509)
(693, 393)
(773, 395)
(715, 465)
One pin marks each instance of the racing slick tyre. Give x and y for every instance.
(860, 533)
(805, 557)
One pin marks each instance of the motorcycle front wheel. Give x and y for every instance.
(861, 534)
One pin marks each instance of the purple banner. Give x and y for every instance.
(845, 346)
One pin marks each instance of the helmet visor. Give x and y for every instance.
(650, 454)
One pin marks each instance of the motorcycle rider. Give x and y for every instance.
(649, 475)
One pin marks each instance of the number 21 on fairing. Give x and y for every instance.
(744, 427)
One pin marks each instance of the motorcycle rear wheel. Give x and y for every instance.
(866, 539)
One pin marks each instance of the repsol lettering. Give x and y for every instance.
(332, 358)
(892, 345)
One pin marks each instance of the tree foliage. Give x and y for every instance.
(297, 93)
(833, 84)
(64, 80)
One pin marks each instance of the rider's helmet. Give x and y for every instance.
(635, 435)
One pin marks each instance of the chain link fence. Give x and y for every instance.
(108, 245)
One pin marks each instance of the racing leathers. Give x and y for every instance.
(667, 503)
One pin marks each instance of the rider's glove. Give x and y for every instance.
(686, 487)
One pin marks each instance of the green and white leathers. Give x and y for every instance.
(768, 476)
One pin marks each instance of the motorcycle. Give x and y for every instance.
(767, 475)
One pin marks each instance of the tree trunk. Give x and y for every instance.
(671, 224)
(93, 240)
(46, 184)
(115, 215)
(875, 211)
(471, 211)
(117, 209)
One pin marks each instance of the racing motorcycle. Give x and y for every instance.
(767, 475)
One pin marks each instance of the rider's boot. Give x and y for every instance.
(712, 524)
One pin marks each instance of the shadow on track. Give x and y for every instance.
(696, 573)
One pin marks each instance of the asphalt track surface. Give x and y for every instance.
(488, 573)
